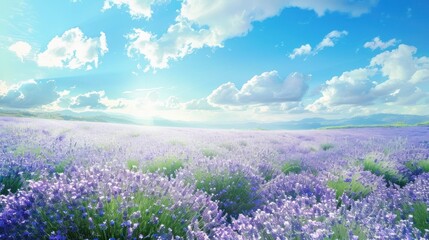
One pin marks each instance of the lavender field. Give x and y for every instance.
(77, 180)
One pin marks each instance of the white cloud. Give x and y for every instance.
(28, 94)
(62, 102)
(199, 104)
(303, 50)
(118, 103)
(180, 40)
(137, 8)
(73, 50)
(202, 23)
(281, 108)
(21, 49)
(352, 87)
(378, 43)
(172, 102)
(328, 41)
(406, 77)
(261, 89)
(3, 87)
(89, 101)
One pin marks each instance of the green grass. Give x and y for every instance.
(420, 216)
(145, 208)
(14, 181)
(135, 135)
(133, 164)
(342, 232)
(423, 124)
(61, 166)
(232, 190)
(353, 188)
(177, 143)
(418, 167)
(291, 167)
(424, 165)
(419, 212)
(209, 153)
(167, 166)
(381, 169)
(22, 150)
(227, 146)
(268, 174)
(11, 183)
(326, 146)
(387, 125)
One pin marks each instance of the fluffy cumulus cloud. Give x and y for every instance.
(303, 50)
(378, 43)
(29, 94)
(202, 23)
(73, 50)
(328, 41)
(181, 39)
(21, 49)
(396, 77)
(352, 87)
(261, 89)
(137, 8)
(88, 101)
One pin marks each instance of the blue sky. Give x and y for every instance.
(216, 61)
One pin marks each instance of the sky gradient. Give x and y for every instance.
(216, 61)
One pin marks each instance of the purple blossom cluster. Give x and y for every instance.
(68, 180)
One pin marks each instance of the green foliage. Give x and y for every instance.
(381, 169)
(177, 143)
(326, 146)
(227, 146)
(61, 166)
(164, 165)
(291, 167)
(424, 165)
(400, 124)
(105, 219)
(419, 166)
(11, 183)
(412, 166)
(22, 150)
(14, 181)
(353, 188)
(342, 232)
(232, 190)
(209, 153)
(132, 164)
(268, 174)
(420, 216)
(423, 124)
(135, 135)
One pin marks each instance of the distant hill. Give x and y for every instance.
(72, 116)
(379, 120)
